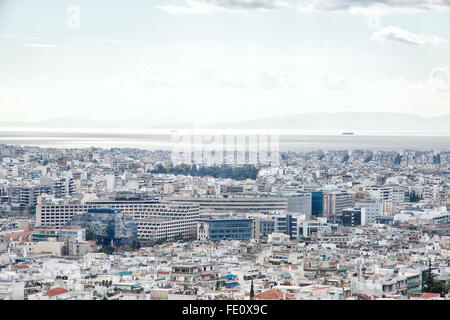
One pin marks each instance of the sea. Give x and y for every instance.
(165, 139)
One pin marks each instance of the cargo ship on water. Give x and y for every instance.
(347, 133)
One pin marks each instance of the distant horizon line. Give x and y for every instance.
(68, 118)
(208, 131)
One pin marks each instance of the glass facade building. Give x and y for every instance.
(227, 228)
(351, 217)
(108, 223)
(316, 203)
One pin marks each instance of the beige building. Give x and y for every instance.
(53, 247)
(445, 242)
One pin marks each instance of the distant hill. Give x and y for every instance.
(87, 123)
(339, 121)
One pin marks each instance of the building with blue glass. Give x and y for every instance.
(224, 228)
(110, 224)
(316, 203)
(351, 217)
(287, 224)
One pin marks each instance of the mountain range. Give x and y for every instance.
(339, 121)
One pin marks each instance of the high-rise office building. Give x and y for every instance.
(299, 202)
(336, 201)
(317, 203)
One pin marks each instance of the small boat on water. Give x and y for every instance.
(347, 133)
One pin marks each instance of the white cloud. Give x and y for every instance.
(106, 41)
(202, 77)
(269, 81)
(99, 40)
(7, 36)
(439, 78)
(39, 45)
(207, 6)
(335, 83)
(191, 6)
(248, 4)
(391, 33)
(380, 6)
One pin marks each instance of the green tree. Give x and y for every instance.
(161, 241)
(432, 285)
(90, 235)
(427, 278)
(247, 171)
(107, 249)
(252, 291)
(135, 245)
(439, 287)
(178, 237)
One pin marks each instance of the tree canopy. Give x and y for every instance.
(244, 172)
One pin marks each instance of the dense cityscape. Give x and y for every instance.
(127, 224)
(207, 159)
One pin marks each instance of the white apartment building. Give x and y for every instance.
(379, 192)
(398, 198)
(158, 228)
(11, 286)
(236, 203)
(76, 234)
(306, 228)
(373, 208)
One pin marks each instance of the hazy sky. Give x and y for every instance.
(217, 60)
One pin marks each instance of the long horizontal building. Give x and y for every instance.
(236, 203)
(224, 228)
(157, 228)
(57, 215)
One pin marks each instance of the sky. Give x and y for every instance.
(221, 60)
